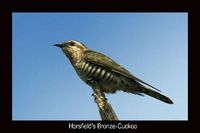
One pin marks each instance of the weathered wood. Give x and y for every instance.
(105, 109)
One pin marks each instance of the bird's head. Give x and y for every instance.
(73, 49)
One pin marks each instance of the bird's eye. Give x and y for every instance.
(71, 43)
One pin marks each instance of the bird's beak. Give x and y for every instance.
(57, 45)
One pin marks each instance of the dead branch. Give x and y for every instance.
(105, 109)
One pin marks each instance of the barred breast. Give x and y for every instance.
(105, 76)
(91, 70)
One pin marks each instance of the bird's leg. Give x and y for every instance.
(91, 81)
(105, 109)
(94, 83)
(95, 97)
(100, 98)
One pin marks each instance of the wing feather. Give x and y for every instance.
(108, 63)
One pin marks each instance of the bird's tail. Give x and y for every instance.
(155, 95)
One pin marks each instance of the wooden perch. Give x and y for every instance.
(105, 109)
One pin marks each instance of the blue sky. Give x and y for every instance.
(152, 46)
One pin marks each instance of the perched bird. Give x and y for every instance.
(92, 66)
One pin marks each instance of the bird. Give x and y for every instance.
(95, 67)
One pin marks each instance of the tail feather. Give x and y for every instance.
(156, 95)
(140, 90)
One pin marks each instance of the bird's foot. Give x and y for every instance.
(95, 98)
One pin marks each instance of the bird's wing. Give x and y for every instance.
(104, 61)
